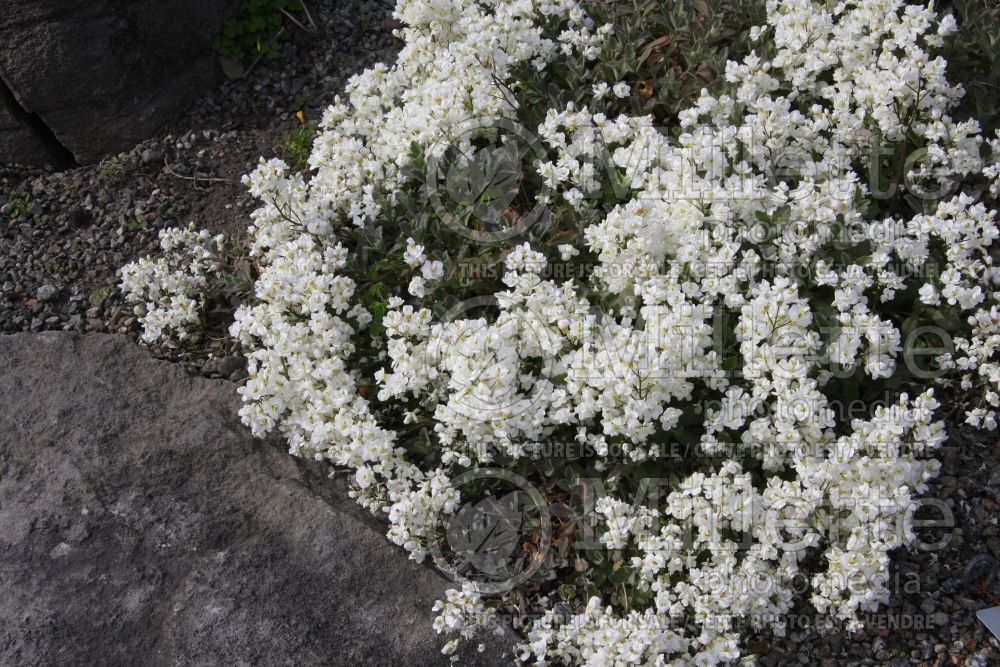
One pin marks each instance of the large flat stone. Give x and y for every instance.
(140, 524)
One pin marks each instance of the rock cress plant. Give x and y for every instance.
(170, 291)
(751, 267)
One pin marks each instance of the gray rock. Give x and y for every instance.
(141, 524)
(151, 156)
(231, 68)
(225, 366)
(47, 293)
(78, 216)
(101, 75)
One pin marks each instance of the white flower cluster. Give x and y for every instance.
(301, 332)
(760, 211)
(446, 74)
(169, 291)
(708, 227)
(585, 143)
(601, 636)
(462, 613)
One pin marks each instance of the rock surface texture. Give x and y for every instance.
(141, 524)
(80, 79)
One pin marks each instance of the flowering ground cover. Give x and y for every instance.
(656, 346)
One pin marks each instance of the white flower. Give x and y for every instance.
(929, 295)
(417, 287)
(432, 270)
(567, 252)
(414, 254)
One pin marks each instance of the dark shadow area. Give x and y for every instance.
(59, 156)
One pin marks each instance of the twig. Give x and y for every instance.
(308, 15)
(296, 22)
(207, 179)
